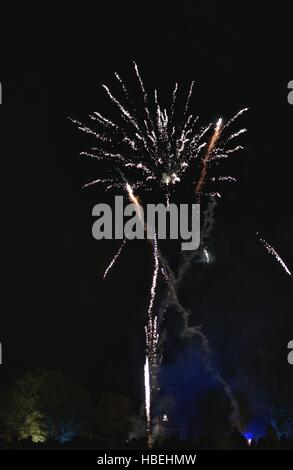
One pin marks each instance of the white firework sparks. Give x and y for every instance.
(206, 253)
(147, 399)
(157, 149)
(273, 252)
(147, 388)
(115, 258)
(224, 178)
(155, 276)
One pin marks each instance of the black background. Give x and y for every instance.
(57, 311)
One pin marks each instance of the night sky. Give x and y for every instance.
(57, 312)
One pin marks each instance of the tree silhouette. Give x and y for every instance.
(114, 414)
(44, 405)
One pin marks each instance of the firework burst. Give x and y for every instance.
(157, 149)
(150, 150)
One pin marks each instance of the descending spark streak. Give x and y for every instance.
(115, 258)
(273, 252)
(123, 86)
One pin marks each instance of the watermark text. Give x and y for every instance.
(176, 222)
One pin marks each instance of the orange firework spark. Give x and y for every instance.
(205, 160)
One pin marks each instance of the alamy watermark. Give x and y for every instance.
(135, 222)
(290, 355)
(0, 93)
(290, 94)
(1, 362)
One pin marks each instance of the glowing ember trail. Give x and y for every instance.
(132, 197)
(206, 158)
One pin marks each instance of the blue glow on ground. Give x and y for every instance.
(255, 429)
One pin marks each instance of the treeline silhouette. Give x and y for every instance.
(231, 442)
(44, 410)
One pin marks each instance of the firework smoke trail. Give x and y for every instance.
(115, 258)
(187, 259)
(208, 220)
(172, 299)
(189, 332)
(206, 230)
(273, 252)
